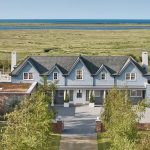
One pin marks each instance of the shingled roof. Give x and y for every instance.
(44, 64)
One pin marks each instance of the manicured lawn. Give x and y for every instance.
(104, 142)
(54, 140)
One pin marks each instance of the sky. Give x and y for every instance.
(74, 9)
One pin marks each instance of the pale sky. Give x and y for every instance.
(74, 9)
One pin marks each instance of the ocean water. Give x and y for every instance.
(77, 24)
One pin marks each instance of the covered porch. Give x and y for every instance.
(80, 95)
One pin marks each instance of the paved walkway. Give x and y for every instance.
(79, 133)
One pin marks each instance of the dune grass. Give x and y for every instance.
(73, 42)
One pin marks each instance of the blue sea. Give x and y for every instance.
(87, 24)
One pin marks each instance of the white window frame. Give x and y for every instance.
(135, 93)
(77, 72)
(98, 92)
(130, 74)
(28, 76)
(53, 75)
(102, 74)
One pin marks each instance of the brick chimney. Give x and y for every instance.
(13, 60)
(145, 60)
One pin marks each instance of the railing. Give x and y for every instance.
(5, 78)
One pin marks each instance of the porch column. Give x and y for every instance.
(104, 94)
(52, 97)
(65, 93)
(90, 91)
(147, 95)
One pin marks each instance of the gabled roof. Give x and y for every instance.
(41, 69)
(131, 60)
(62, 70)
(44, 64)
(106, 68)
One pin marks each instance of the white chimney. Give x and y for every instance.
(145, 60)
(13, 60)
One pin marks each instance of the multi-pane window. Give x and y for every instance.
(55, 76)
(136, 93)
(103, 76)
(79, 74)
(130, 76)
(28, 76)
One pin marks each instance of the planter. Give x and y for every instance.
(66, 104)
(91, 104)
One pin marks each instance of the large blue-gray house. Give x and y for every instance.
(79, 75)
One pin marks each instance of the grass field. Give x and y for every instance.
(72, 42)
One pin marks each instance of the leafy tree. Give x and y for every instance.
(120, 120)
(29, 125)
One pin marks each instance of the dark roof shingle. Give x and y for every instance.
(44, 64)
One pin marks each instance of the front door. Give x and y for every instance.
(79, 96)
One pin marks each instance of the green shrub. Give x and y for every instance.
(66, 100)
(91, 98)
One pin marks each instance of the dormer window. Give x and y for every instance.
(103, 76)
(55, 76)
(79, 74)
(130, 76)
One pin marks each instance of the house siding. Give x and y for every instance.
(27, 68)
(61, 79)
(109, 80)
(140, 79)
(87, 78)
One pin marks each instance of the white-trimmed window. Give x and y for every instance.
(55, 76)
(103, 76)
(97, 93)
(130, 76)
(28, 76)
(135, 93)
(79, 74)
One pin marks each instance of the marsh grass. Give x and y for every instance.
(73, 42)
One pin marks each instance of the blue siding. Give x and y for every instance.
(140, 80)
(27, 68)
(87, 78)
(109, 79)
(61, 79)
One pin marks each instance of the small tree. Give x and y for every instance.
(29, 125)
(91, 97)
(120, 120)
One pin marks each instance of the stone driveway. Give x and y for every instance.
(79, 123)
